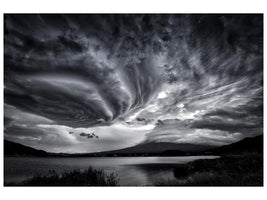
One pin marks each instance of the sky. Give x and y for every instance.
(91, 82)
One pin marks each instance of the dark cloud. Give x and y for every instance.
(89, 135)
(23, 132)
(246, 119)
(7, 121)
(224, 125)
(114, 68)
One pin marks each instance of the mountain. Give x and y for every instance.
(159, 148)
(247, 145)
(250, 144)
(15, 149)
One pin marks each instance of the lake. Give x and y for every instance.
(131, 171)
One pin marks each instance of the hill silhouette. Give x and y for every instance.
(159, 148)
(16, 149)
(251, 144)
(246, 145)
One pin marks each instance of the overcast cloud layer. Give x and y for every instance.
(132, 78)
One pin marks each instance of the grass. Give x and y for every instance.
(234, 170)
(88, 177)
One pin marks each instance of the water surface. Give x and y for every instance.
(132, 171)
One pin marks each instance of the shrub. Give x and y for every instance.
(88, 177)
(242, 170)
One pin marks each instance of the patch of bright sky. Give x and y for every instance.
(162, 95)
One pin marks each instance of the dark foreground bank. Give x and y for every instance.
(230, 170)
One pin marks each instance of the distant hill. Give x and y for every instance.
(160, 148)
(250, 144)
(15, 149)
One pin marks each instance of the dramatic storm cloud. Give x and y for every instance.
(131, 79)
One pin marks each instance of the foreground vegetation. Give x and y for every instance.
(88, 177)
(228, 170)
(231, 170)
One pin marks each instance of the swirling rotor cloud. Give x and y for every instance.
(131, 79)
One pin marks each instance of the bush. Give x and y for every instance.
(244, 170)
(88, 177)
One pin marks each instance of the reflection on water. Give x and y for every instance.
(131, 171)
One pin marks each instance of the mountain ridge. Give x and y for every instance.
(249, 144)
(16, 149)
(160, 147)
